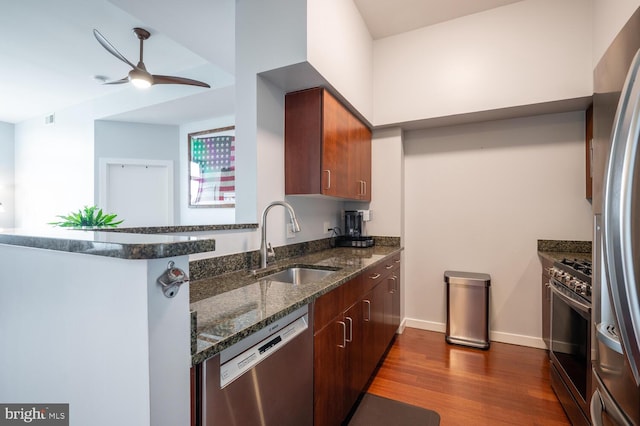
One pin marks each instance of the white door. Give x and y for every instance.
(140, 192)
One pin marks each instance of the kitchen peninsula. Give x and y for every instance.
(83, 321)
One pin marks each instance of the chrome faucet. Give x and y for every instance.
(266, 251)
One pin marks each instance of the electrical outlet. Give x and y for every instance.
(326, 228)
(290, 233)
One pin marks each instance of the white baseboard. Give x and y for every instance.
(425, 325)
(494, 336)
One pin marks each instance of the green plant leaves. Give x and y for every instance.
(87, 217)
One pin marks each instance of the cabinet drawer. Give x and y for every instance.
(373, 277)
(353, 290)
(327, 307)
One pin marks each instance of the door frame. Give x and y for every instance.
(104, 164)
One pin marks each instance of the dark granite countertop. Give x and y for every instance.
(232, 306)
(181, 228)
(109, 244)
(556, 250)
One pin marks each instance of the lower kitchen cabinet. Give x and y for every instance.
(329, 365)
(546, 301)
(349, 346)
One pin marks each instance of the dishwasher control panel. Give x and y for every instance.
(243, 362)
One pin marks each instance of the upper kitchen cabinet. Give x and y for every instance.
(327, 148)
(359, 166)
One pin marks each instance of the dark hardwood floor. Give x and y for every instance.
(506, 385)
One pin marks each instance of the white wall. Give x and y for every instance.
(478, 197)
(117, 139)
(266, 38)
(53, 167)
(340, 48)
(524, 53)
(199, 216)
(387, 186)
(608, 19)
(6, 174)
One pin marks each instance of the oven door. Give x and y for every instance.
(570, 349)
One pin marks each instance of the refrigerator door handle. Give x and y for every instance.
(618, 217)
(609, 339)
(602, 405)
(596, 409)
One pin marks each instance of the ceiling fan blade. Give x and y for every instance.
(167, 79)
(122, 80)
(109, 47)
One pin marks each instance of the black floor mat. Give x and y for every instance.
(374, 410)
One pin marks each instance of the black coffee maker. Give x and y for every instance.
(354, 232)
(353, 224)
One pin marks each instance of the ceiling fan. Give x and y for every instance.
(139, 76)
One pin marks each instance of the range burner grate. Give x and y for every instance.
(583, 266)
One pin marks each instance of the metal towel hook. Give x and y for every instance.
(171, 280)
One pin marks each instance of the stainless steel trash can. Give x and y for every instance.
(467, 308)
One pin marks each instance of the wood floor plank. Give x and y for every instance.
(505, 385)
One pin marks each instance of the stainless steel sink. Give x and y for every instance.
(299, 275)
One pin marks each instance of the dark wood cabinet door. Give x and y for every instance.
(354, 374)
(334, 147)
(395, 303)
(389, 330)
(365, 162)
(194, 395)
(303, 142)
(373, 326)
(329, 363)
(359, 164)
(327, 307)
(378, 306)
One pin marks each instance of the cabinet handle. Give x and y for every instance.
(398, 261)
(344, 334)
(388, 267)
(396, 283)
(368, 317)
(328, 179)
(393, 287)
(365, 187)
(375, 276)
(350, 339)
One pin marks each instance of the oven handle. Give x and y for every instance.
(573, 303)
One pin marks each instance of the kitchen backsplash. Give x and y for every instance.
(204, 268)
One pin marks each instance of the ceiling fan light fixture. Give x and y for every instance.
(139, 76)
(140, 79)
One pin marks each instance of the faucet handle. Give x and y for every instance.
(271, 254)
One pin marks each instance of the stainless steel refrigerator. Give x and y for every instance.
(616, 298)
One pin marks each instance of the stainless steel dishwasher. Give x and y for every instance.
(264, 379)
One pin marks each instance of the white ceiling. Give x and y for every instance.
(48, 54)
(385, 18)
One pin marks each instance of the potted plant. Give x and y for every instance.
(88, 217)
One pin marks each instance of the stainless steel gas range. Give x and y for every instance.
(570, 341)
